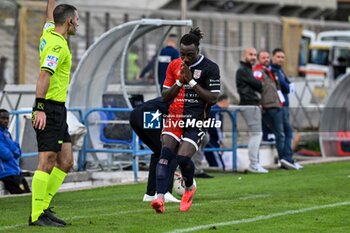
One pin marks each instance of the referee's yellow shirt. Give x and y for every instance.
(55, 58)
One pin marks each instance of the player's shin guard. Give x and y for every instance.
(187, 169)
(55, 181)
(39, 186)
(163, 169)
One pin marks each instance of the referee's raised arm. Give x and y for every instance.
(49, 10)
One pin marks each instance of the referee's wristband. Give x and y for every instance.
(178, 83)
(39, 104)
(192, 83)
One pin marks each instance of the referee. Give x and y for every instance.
(49, 112)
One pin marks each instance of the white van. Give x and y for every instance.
(328, 59)
(334, 36)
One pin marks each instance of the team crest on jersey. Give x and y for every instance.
(197, 74)
(51, 61)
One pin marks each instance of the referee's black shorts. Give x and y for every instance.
(56, 129)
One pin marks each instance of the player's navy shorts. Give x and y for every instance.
(192, 135)
(56, 129)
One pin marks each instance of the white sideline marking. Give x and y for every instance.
(258, 218)
(263, 217)
(254, 196)
(3, 228)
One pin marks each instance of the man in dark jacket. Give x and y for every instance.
(287, 87)
(10, 172)
(249, 89)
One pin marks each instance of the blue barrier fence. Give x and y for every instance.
(133, 149)
(133, 146)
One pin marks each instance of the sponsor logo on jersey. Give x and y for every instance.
(51, 61)
(56, 49)
(42, 45)
(197, 74)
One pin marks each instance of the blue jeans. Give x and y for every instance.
(274, 118)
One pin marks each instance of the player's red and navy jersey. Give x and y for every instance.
(187, 102)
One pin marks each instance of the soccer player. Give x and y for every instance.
(151, 137)
(49, 112)
(192, 86)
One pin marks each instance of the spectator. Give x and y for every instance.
(250, 89)
(167, 54)
(287, 87)
(216, 134)
(272, 101)
(10, 152)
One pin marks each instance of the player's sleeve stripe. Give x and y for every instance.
(215, 91)
(166, 86)
(51, 71)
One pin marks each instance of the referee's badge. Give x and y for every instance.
(197, 74)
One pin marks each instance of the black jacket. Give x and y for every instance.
(248, 86)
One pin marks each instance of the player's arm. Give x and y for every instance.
(49, 10)
(42, 86)
(207, 96)
(170, 93)
(171, 87)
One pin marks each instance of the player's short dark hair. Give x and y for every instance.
(193, 37)
(277, 50)
(63, 11)
(222, 97)
(172, 35)
(3, 110)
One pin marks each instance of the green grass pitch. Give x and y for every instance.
(316, 199)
